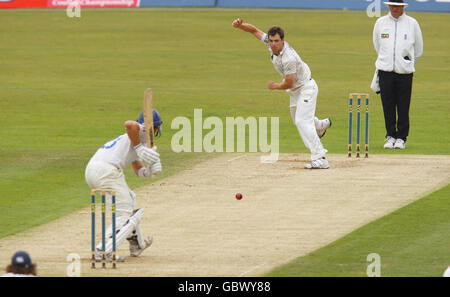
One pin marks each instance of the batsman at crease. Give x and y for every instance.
(105, 170)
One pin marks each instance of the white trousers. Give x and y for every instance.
(303, 108)
(100, 175)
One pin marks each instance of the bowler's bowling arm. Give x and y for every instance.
(252, 30)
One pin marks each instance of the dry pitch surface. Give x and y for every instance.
(200, 229)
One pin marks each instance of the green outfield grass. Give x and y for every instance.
(412, 241)
(67, 85)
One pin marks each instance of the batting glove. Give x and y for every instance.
(156, 168)
(148, 155)
(144, 172)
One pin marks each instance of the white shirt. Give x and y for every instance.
(447, 272)
(289, 62)
(119, 152)
(395, 39)
(17, 275)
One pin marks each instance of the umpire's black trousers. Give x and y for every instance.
(396, 98)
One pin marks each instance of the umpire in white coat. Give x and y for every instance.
(398, 41)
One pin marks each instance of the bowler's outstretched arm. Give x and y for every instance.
(239, 23)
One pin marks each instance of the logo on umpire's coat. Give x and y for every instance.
(384, 36)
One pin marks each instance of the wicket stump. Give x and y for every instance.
(113, 211)
(359, 97)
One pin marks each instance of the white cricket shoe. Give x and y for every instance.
(135, 250)
(390, 142)
(400, 144)
(326, 123)
(99, 257)
(318, 164)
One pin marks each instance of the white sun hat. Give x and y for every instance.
(396, 3)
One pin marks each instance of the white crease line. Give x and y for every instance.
(235, 158)
(254, 268)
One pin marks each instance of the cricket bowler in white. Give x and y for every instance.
(299, 85)
(105, 171)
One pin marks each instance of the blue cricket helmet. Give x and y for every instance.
(157, 122)
(21, 259)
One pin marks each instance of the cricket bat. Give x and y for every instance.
(148, 119)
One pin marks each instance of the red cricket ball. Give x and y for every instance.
(238, 196)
